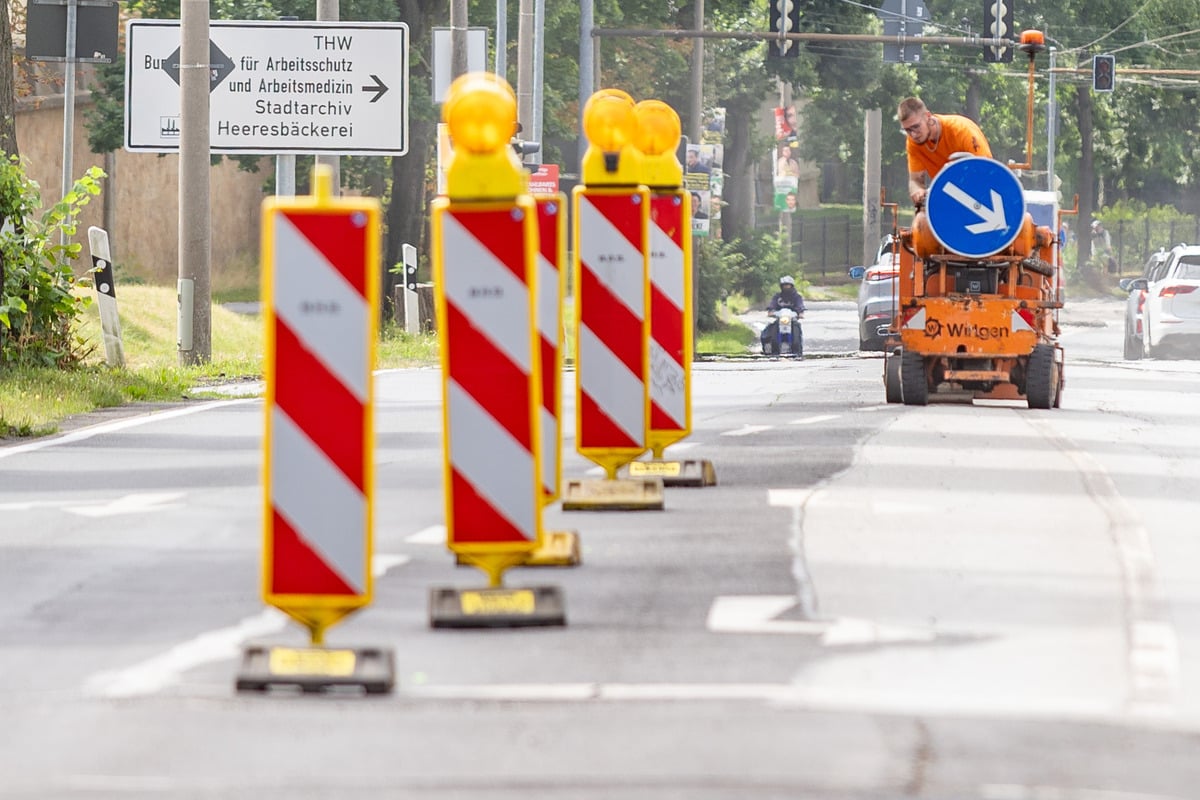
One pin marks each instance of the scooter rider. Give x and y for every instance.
(786, 297)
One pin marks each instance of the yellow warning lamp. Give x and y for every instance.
(658, 140)
(1032, 42)
(610, 124)
(480, 113)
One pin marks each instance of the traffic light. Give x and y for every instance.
(1104, 73)
(998, 24)
(785, 18)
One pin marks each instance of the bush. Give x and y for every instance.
(751, 267)
(37, 305)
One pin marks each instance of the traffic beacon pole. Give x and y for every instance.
(612, 300)
(320, 266)
(485, 249)
(670, 298)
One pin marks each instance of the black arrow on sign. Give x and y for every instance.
(379, 89)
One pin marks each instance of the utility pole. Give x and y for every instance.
(458, 38)
(697, 100)
(330, 11)
(502, 38)
(525, 67)
(539, 60)
(195, 215)
(872, 147)
(587, 23)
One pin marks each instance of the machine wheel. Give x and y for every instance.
(1041, 377)
(914, 383)
(892, 387)
(1133, 348)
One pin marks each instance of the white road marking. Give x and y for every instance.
(746, 430)
(816, 698)
(1012, 791)
(124, 784)
(434, 534)
(32, 504)
(757, 614)
(814, 420)
(116, 425)
(157, 673)
(677, 446)
(140, 503)
(161, 671)
(788, 497)
(873, 408)
(1153, 651)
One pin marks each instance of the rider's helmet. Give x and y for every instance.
(787, 280)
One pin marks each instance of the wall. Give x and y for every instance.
(145, 194)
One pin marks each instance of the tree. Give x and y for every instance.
(8, 101)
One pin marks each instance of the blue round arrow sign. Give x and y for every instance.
(975, 206)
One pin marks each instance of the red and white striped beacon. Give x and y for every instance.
(485, 269)
(670, 299)
(321, 284)
(612, 307)
(552, 279)
(670, 276)
(612, 231)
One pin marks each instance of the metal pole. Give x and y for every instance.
(525, 68)
(330, 11)
(586, 23)
(1051, 118)
(69, 102)
(502, 38)
(195, 216)
(695, 129)
(539, 52)
(285, 163)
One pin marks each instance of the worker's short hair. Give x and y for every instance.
(910, 106)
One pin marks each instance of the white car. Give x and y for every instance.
(1135, 304)
(1171, 313)
(877, 296)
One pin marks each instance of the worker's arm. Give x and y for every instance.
(916, 186)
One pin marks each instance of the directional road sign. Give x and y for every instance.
(975, 206)
(276, 87)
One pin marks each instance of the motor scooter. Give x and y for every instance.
(783, 336)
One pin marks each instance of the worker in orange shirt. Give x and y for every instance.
(932, 140)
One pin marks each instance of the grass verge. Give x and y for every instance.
(35, 402)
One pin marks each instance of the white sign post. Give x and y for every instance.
(276, 87)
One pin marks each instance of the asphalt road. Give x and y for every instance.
(874, 602)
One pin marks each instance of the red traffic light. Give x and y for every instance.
(1104, 73)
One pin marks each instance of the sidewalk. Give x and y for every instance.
(1094, 312)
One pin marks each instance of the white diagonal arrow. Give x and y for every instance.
(130, 504)
(993, 218)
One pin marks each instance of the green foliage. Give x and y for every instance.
(751, 266)
(37, 306)
(729, 338)
(1136, 230)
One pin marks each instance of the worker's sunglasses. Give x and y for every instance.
(911, 129)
